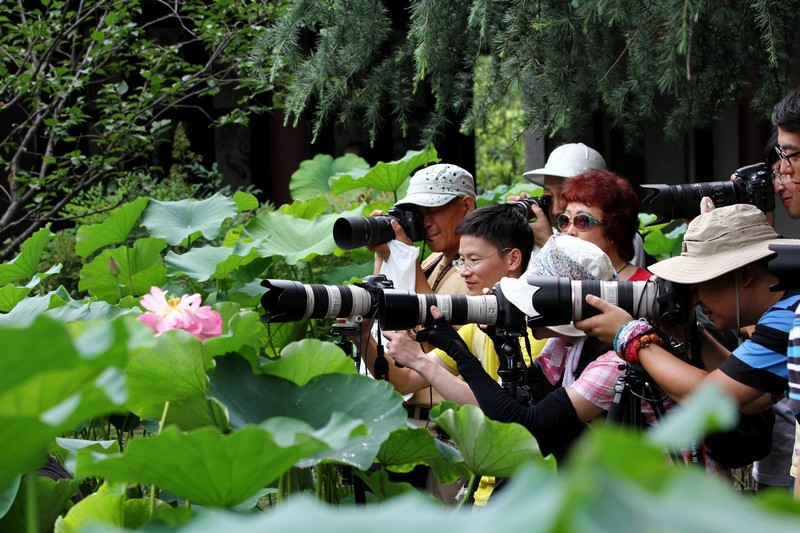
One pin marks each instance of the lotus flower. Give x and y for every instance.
(184, 313)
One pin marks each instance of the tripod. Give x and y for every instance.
(348, 334)
(631, 389)
(513, 372)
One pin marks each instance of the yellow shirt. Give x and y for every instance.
(479, 344)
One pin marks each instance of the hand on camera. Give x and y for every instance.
(443, 336)
(541, 227)
(382, 250)
(605, 325)
(403, 348)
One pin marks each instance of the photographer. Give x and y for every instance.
(443, 194)
(565, 163)
(786, 118)
(495, 242)
(725, 255)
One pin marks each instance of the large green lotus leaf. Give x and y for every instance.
(74, 310)
(280, 334)
(408, 447)
(144, 269)
(306, 359)
(178, 220)
(203, 466)
(191, 413)
(582, 497)
(25, 444)
(311, 179)
(110, 506)
(26, 263)
(11, 295)
(52, 498)
(53, 377)
(205, 262)
(47, 348)
(243, 333)
(172, 367)
(501, 192)
(252, 399)
(8, 495)
(489, 448)
(26, 311)
(307, 209)
(707, 410)
(384, 176)
(245, 201)
(113, 230)
(295, 239)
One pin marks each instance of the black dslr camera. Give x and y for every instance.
(752, 186)
(355, 232)
(545, 203)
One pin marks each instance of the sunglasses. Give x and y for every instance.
(582, 222)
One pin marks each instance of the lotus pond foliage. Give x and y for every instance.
(219, 421)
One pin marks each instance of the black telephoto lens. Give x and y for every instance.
(355, 232)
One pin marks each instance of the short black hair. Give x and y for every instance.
(770, 155)
(503, 225)
(786, 113)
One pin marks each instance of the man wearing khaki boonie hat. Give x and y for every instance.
(724, 257)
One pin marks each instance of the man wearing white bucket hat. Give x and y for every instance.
(724, 257)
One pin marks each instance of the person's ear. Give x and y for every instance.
(514, 259)
(469, 204)
(747, 275)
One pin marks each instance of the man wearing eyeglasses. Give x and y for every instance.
(786, 117)
(495, 241)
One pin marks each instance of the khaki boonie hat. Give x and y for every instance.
(720, 242)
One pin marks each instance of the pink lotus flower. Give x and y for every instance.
(184, 313)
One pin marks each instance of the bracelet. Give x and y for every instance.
(627, 340)
(644, 341)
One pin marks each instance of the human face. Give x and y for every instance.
(441, 222)
(717, 299)
(595, 234)
(552, 187)
(787, 191)
(489, 264)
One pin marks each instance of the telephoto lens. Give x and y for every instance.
(355, 232)
(288, 301)
(405, 309)
(555, 301)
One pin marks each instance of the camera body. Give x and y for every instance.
(410, 219)
(758, 188)
(752, 186)
(545, 203)
(355, 232)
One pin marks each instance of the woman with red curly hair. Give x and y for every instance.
(603, 208)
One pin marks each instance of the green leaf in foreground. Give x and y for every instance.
(203, 466)
(252, 399)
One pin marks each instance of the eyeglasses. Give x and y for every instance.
(783, 156)
(461, 262)
(784, 179)
(582, 222)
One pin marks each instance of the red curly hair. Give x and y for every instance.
(615, 197)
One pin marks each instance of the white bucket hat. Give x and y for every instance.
(567, 161)
(565, 256)
(438, 184)
(719, 242)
